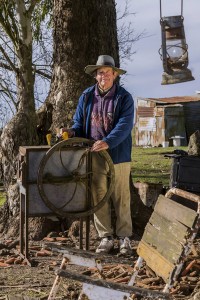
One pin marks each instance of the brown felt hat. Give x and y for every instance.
(103, 61)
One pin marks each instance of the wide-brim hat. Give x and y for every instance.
(103, 61)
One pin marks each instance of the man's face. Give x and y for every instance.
(105, 77)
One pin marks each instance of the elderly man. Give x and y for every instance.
(105, 114)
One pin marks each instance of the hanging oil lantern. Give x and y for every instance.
(174, 50)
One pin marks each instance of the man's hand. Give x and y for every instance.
(70, 132)
(99, 145)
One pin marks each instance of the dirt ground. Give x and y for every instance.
(21, 281)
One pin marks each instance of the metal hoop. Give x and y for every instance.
(40, 183)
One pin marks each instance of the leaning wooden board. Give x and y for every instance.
(165, 236)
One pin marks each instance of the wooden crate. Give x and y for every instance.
(165, 236)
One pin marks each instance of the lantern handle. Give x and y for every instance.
(181, 7)
(161, 8)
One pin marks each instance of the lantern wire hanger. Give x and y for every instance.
(174, 50)
(161, 8)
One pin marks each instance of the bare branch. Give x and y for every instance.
(5, 96)
(7, 27)
(126, 11)
(126, 33)
(42, 73)
(8, 98)
(8, 44)
(16, 70)
(13, 24)
(5, 66)
(32, 6)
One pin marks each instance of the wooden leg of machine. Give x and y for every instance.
(22, 222)
(26, 254)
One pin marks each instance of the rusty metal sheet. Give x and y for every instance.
(180, 117)
(147, 124)
(145, 111)
(177, 99)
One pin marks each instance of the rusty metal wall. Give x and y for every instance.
(157, 123)
(192, 117)
(174, 124)
(145, 126)
(157, 120)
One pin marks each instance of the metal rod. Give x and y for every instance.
(161, 9)
(181, 7)
(81, 234)
(87, 233)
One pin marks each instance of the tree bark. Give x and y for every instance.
(83, 30)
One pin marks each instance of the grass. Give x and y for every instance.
(149, 164)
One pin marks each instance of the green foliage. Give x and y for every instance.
(149, 164)
(42, 13)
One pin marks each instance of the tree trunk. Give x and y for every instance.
(82, 32)
(21, 130)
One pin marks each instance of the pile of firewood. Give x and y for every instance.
(187, 283)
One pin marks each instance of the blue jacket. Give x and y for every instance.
(119, 139)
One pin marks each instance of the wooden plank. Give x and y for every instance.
(168, 247)
(174, 211)
(146, 293)
(159, 264)
(175, 229)
(163, 234)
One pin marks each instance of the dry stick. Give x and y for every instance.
(125, 273)
(121, 280)
(196, 266)
(107, 267)
(10, 260)
(112, 271)
(189, 266)
(150, 280)
(193, 250)
(4, 265)
(24, 286)
(57, 280)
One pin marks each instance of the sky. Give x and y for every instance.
(144, 71)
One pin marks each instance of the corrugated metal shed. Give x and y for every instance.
(159, 119)
(175, 100)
